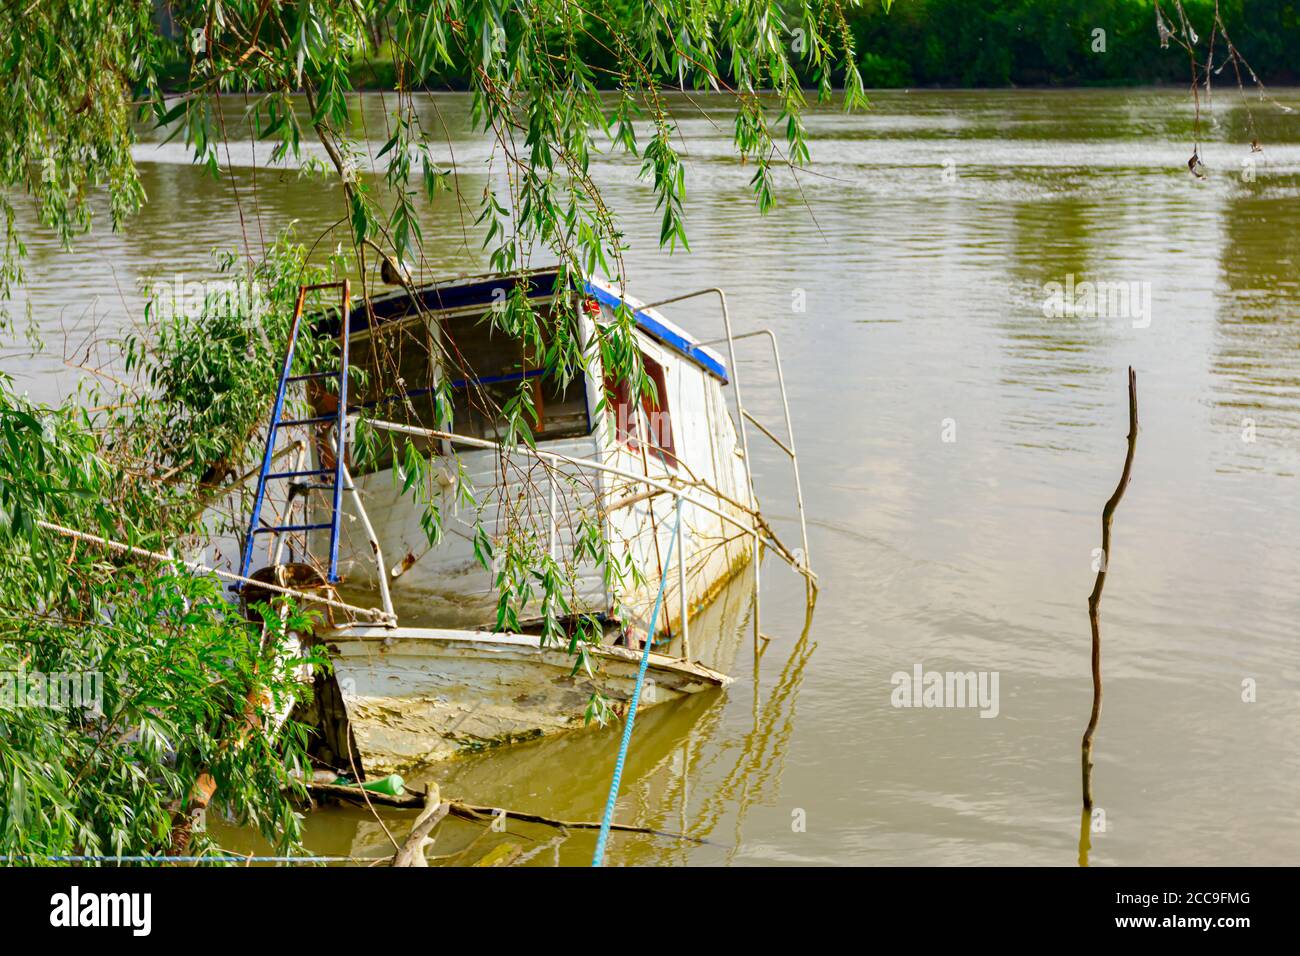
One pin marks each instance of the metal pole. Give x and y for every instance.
(340, 445)
(585, 463)
(735, 372)
(794, 457)
(380, 568)
(789, 428)
(681, 584)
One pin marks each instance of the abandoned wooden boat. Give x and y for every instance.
(401, 697)
(652, 475)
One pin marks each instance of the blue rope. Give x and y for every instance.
(599, 857)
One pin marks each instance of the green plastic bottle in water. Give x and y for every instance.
(393, 785)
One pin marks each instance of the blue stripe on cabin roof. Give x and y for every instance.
(676, 340)
(483, 290)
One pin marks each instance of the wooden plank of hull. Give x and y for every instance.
(414, 696)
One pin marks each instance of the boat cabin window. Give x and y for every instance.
(487, 367)
(394, 380)
(654, 409)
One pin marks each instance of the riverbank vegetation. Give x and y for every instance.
(131, 689)
(969, 43)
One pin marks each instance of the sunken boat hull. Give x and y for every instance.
(416, 696)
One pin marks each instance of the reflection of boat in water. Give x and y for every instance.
(652, 475)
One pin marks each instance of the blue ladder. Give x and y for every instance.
(339, 419)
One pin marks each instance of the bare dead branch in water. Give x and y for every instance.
(412, 851)
(1094, 599)
(470, 811)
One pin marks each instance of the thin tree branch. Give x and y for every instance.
(1094, 599)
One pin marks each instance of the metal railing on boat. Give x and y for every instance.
(743, 415)
(786, 446)
(623, 473)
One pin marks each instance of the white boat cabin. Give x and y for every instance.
(440, 362)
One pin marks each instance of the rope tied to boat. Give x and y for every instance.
(607, 820)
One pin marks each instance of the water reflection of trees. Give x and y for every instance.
(1256, 347)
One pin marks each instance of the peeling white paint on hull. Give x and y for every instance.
(415, 695)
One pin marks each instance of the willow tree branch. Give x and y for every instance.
(1094, 599)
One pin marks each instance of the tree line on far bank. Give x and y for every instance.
(991, 43)
(980, 43)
